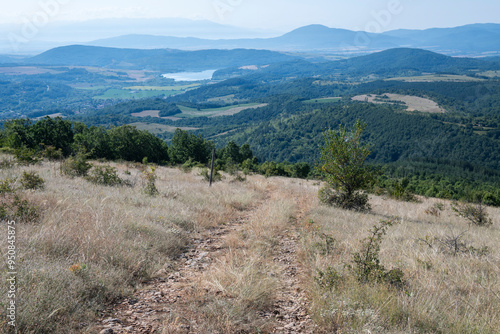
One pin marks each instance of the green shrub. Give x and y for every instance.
(76, 166)
(399, 190)
(189, 165)
(475, 213)
(104, 175)
(150, 186)
(6, 163)
(7, 186)
(51, 153)
(25, 211)
(13, 206)
(27, 156)
(240, 177)
(356, 201)
(231, 167)
(31, 180)
(329, 279)
(205, 172)
(367, 267)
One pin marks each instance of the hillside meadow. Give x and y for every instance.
(269, 257)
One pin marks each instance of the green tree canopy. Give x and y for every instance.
(343, 166)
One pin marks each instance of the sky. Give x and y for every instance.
(273, 15)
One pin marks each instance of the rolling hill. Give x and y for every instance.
(388, 63)
(167, 60)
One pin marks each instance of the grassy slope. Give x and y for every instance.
(124, 237)
(120, 234)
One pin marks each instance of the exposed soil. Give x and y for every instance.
(157, 306)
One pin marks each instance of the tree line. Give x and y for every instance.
(25, 137)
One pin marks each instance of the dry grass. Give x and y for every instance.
(445, 291)
(414, 103)
(94, 244)
(242, 284)
(230, 296)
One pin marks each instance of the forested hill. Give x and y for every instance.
(411, 59)
(394, 136)
(389, 63)
(160, 59)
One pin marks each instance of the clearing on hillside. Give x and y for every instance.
(414, 103)
(147, 113)
(437, 78)
(159, 128)
(188, 112)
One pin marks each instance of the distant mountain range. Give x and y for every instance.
(56, 33)
(183, 34)
(471, 40)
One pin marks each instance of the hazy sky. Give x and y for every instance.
(277, 15)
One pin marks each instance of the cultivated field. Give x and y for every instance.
(438, 78)
(159, 128)
(244, 256)
(214, 112)
(414, 103)
(188, 112)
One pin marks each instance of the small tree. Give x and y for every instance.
(475, 214)
(343, 166)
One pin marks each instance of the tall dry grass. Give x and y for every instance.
(445, 291)
(93, 245)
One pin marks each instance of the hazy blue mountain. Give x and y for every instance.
(8, 59)
(477, 39)
(309, 38)
(469, 39)
(57, 33)
(167, 60)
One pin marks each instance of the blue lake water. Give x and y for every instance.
(190, 76)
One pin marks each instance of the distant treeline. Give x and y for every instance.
(23, 136)
(429, 177)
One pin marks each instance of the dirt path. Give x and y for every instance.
(155, 308)
(292, 303)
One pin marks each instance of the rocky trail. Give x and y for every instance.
(164, 305)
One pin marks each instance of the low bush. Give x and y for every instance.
(31, 180)
(367, 267)
(26, 156)
(104, 175)
(357, 201)
(150, 183)
(76, 166)
(475, 213)
(205, 172)
(7, 186)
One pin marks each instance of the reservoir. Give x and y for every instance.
(190, 76)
